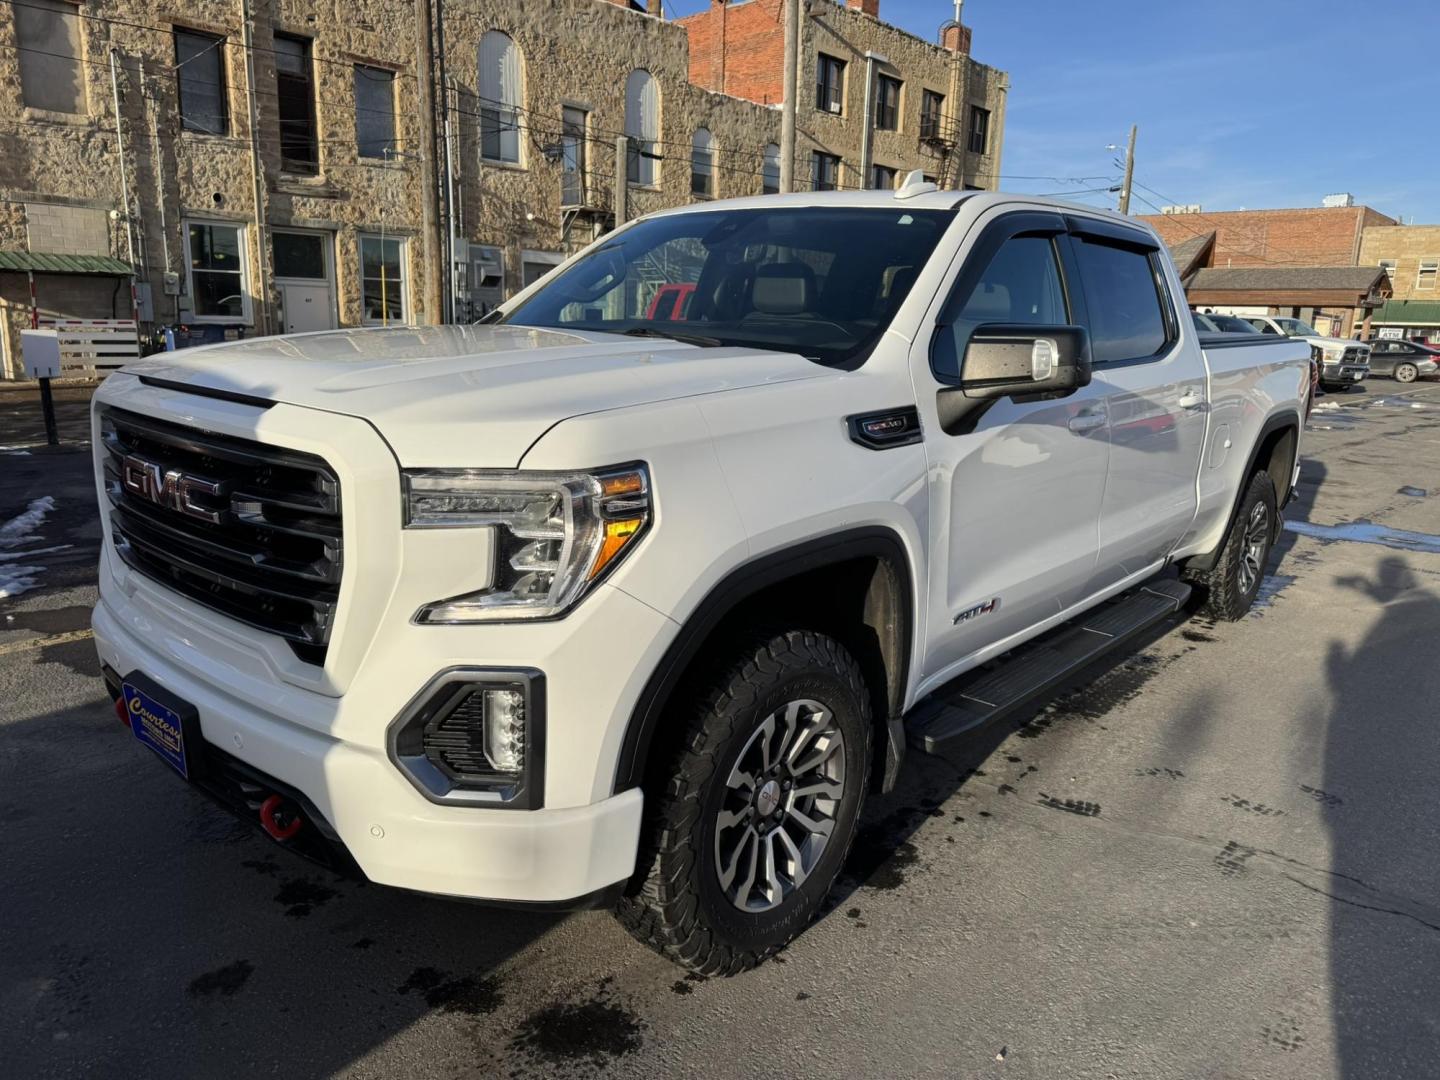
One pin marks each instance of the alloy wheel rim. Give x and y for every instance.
(1252, 555)
(782, 795)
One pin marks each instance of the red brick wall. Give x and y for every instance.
(1315, 236)
(739, 50)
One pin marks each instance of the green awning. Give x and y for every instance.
(1408, 312)
(42, 263)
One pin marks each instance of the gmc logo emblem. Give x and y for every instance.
(170, 488)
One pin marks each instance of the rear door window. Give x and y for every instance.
(1122, 297)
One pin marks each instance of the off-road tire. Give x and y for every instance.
(1405, 373)
(1226, 598)
(675, 903)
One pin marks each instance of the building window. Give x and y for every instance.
(702, 164)
(572, 156)
(536, 264)
(642, 127)
(374, 111)
(829, 84)
(47, 34)
(215, 254)
(770, 170)
(887, 103)
(931, 105)
(824, 171)
(1388, 265)
(501, 92)
(200, 61)
(295, 89)
(979, 130)
(882, 177)
(382, 280)
(1425, 276)
(299, 255)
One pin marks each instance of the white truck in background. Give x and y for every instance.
(610, 602)
(1342, 363)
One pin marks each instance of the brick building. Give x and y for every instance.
(1304, 263)
(339, 164)
(1410, 255)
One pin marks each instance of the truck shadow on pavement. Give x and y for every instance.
(1381, 805)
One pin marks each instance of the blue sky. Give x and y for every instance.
(1268, 103)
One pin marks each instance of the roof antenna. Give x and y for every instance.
(915, 184)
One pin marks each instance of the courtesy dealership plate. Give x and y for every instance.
(162, 722)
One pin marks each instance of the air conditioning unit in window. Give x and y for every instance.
(834, 106)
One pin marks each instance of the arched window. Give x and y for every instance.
(502, 91)
(702, 163)
(770, 170)
(642, 125)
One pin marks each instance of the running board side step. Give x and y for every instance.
(980, 697)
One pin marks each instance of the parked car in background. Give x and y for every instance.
(1342, 363)
(1403, 361)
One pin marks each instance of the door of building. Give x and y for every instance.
(305, 279)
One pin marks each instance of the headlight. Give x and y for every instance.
(556, 534)
(1334, 352)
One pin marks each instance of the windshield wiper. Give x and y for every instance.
(688, 339)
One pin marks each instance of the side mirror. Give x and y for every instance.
(1004, 360)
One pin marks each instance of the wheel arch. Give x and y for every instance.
(868, 566)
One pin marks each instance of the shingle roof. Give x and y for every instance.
(42, 263)
(1356, 279)
(1189, 253)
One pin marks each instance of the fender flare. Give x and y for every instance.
(1279, 421)
(742, 583)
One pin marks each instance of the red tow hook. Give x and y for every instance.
(278, 819)
(121, 711)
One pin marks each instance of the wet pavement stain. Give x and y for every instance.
(1232, 858)
(1071, 806)
(363, 943)
(1413, 492)
(682, 987)
(1324, 798)
(1251, 807)
(465, 994)
(596, 1030)
(1196, 635)
(1091, 703)
(1169, 774)
(222, 982)
(300, 896)
(1284, 1033)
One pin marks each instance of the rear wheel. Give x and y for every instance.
(1232, 584)
(765, 785)
(1405, 372)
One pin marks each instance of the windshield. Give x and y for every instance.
(820, 281)
(1296, 328)
(1231, 325)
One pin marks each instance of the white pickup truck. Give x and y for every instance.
(1341, 363)
(603, 604)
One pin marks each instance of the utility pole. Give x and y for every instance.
(1129, 171)
(787, 109)
(622, 178)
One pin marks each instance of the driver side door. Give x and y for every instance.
(1016, 489)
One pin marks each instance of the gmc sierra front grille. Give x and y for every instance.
(249, 530)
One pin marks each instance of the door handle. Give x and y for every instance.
(1191, 399)
(1086, 421)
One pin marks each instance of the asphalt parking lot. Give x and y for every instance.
(1216, 859)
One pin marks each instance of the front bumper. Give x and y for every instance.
(1338, 372)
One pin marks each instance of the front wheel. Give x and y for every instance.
(1232, 584)
(1406, 372)
(765, 781)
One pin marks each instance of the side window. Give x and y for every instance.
(1021, 284)
(1264, 328)
(1123, 301)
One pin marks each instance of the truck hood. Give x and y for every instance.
(476, 396)
(1334, 342)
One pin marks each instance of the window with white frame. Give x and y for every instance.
(770, 170)
(702, 163)
(1388, 265)
(382, 280)
(374, 112)
(642, 127)
(215, 258)
(1425, 276)
(47, 34)
(501, 93)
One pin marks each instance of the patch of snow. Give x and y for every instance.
(15, 580)
(1367, 532)
(1327, 406)
(1271, 587)
(11, 556)
(15, 531)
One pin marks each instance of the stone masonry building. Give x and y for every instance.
(1410, 254)
(287, 165)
